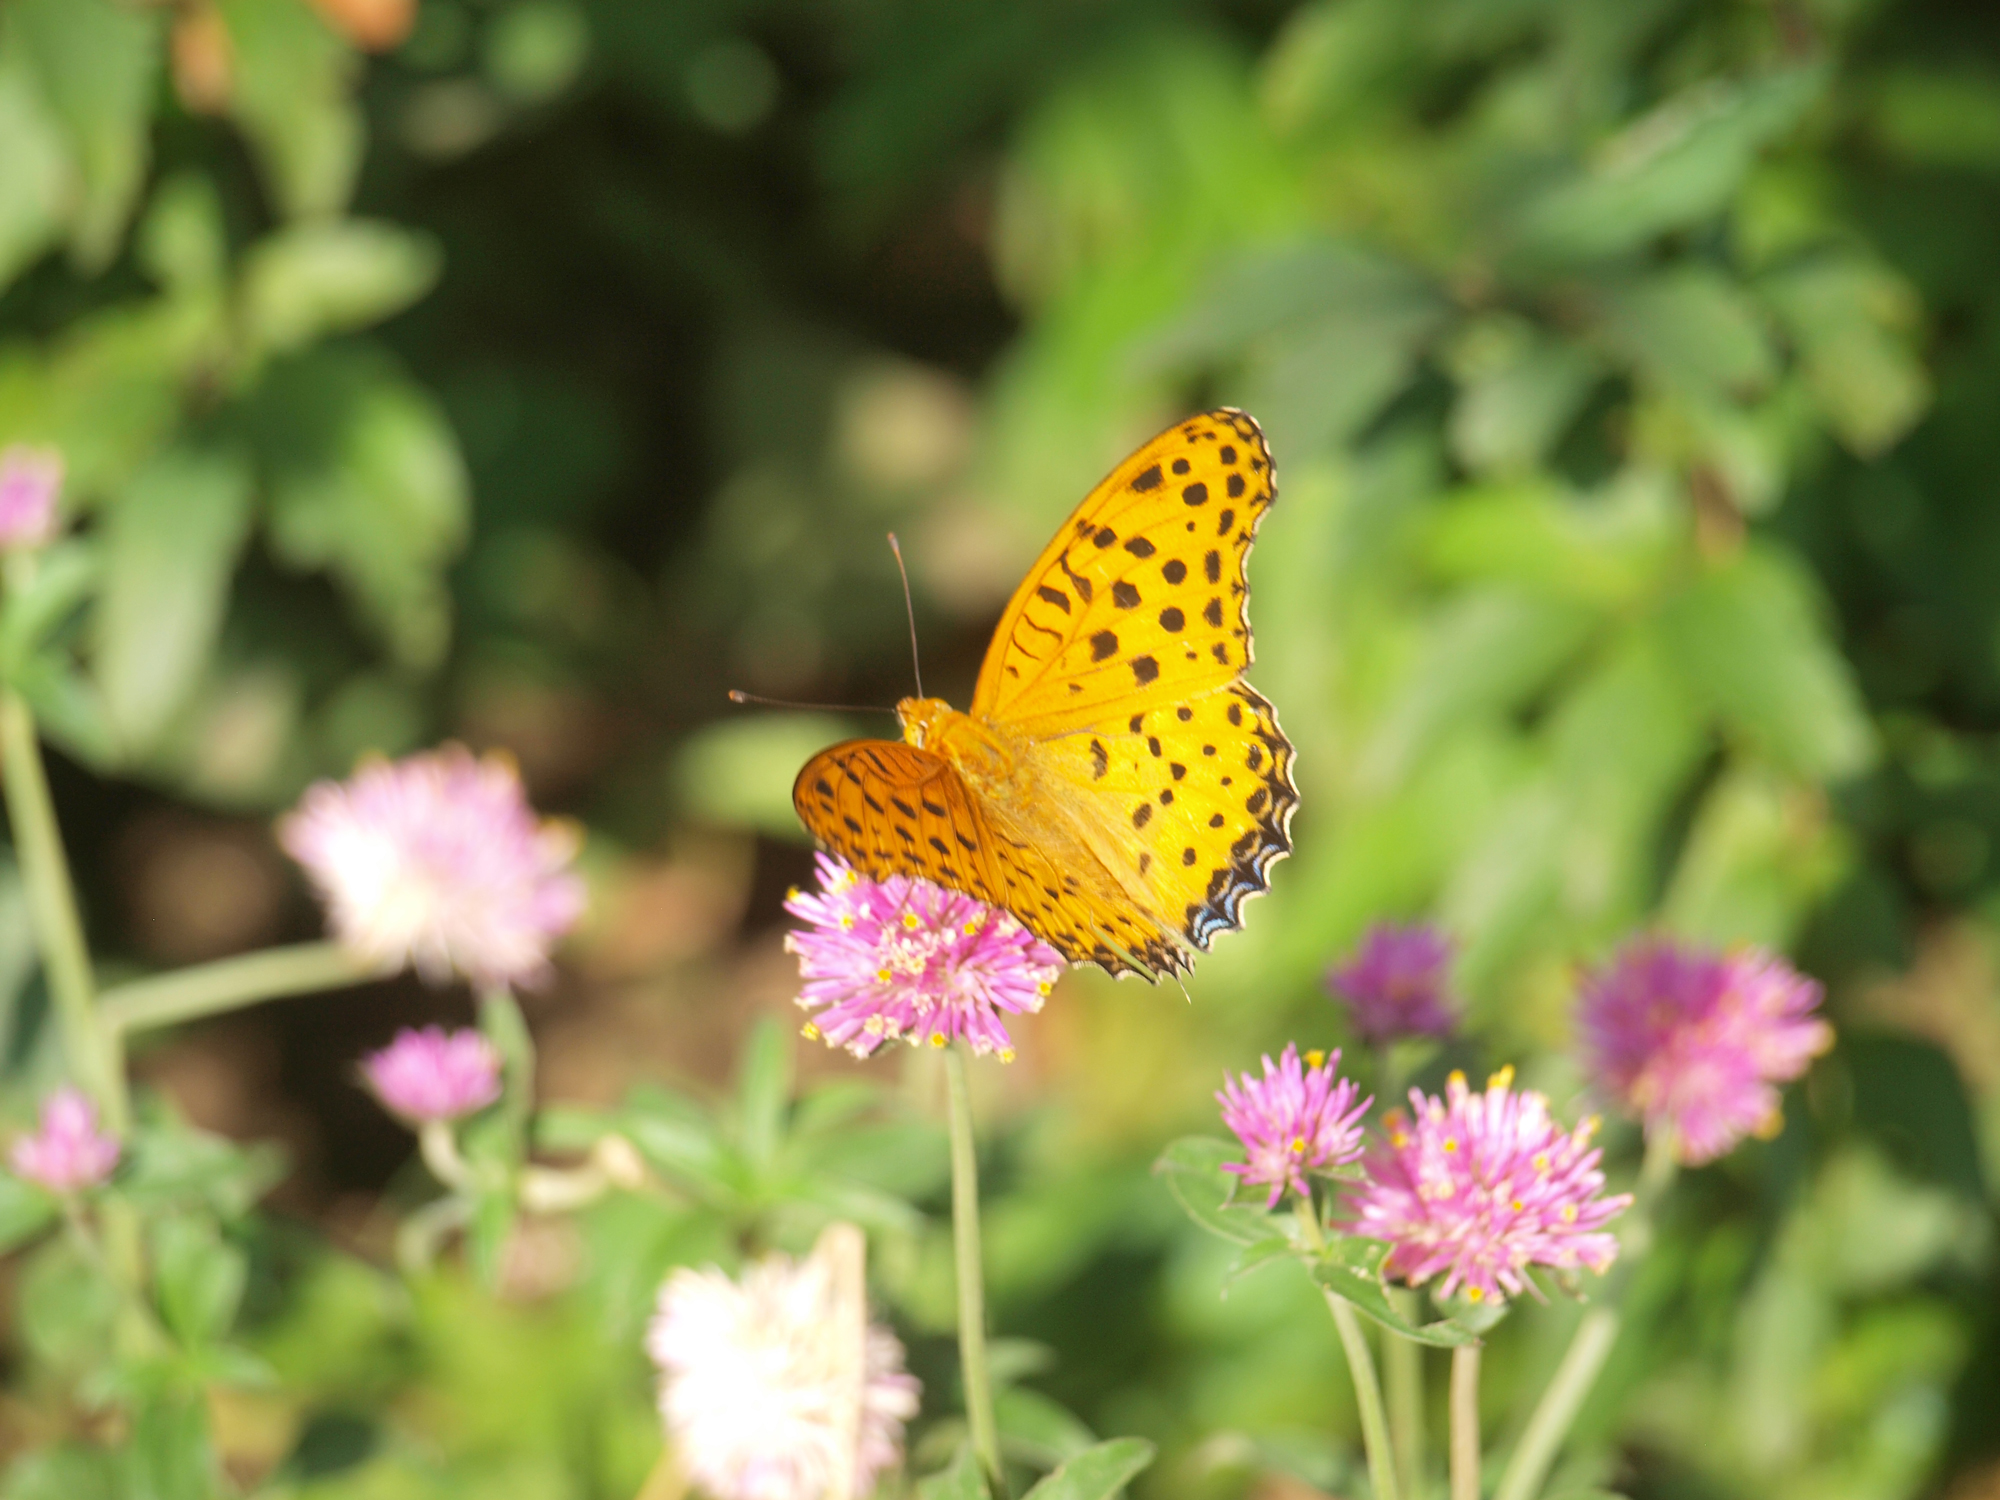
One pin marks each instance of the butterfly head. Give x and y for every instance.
(934, 725)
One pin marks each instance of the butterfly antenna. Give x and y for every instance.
(909, 609)
(737, 695)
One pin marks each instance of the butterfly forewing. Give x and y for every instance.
(1142, 594)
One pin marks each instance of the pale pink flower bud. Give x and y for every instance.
(68, 1153)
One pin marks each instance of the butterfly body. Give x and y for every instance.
(1118, 786)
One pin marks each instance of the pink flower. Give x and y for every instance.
(1482, 1186)
(31, 481)
(438, 861)
(68, 1153)
(434, 1074)
(752, 1386)
(1692, 1042)
(1395, 983)
(906, 958)
(1298, 1118)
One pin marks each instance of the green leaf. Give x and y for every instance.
(1257, 1256)
(291, 84)
(1037, 1430)
(1675, 167)
(486, 1235)
(368, 485)
(67, 1308)
(958, 1480)
(1192, 1168)
(1691, 331)
(311, 280)
(170, 542)
(200, 1278)
(763, 1091)
(1855, 323)
(1351, 1268)
(502, 1024)
(738, 773)
(34, 184)
(1096, 1473)
(677, 1136)
(171, 1457)
(182, 244)
(69, 709)
(25, 1211)
(173, 1165)
(65, 575)
(68, 1471)
(1747, 638)
(1518, 393)
(96, 64)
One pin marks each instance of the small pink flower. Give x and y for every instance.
(1482, 1186)
(1693, 1042)
(438, 861)
(434, 1074)
(907, 958)
(1297, 1119)
(1395, 984)
(68, 1153)
(31, 481)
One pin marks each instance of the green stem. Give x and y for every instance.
(52, 907)
(971, 1282)
(1465, 1422)
(1402, 1359)
(1403, 1377)
(1591, 1344)
(1367, 1398)
(1549, 1425)
(1360, 1368)
(230, 984)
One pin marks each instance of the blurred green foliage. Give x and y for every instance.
(1631, 371)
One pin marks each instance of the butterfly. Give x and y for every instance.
(1117, 786)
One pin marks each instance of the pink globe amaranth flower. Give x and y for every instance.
(1692, 1042)
(755, 1400)
(1395, 983)
(1479, 1187)
(68, 1153)
(907, 958)
(1297, 1119)
(434, 1074)
(31, 481)
(438, 861)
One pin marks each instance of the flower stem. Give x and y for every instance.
(1367, 1398)
(1403, 1377)
(230, 984)
(971, 1283)
(1465, 1422)
(52, 908)
(1360, 1367)
(1558, 1407)
(1590, 1345)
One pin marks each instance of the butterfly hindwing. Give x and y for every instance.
(1141, 597)
(889, 808)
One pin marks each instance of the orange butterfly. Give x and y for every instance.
(1117, 786)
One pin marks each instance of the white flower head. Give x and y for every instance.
(757, 1384)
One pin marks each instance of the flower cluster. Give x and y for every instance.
(753, 1390)
(1395, 984)
(1693, 1042)
(1299, 1118)
(68, 1153)
(434, 1074)
(1479, 1187)
(907, 958)
(31, 481)
(439, 861)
